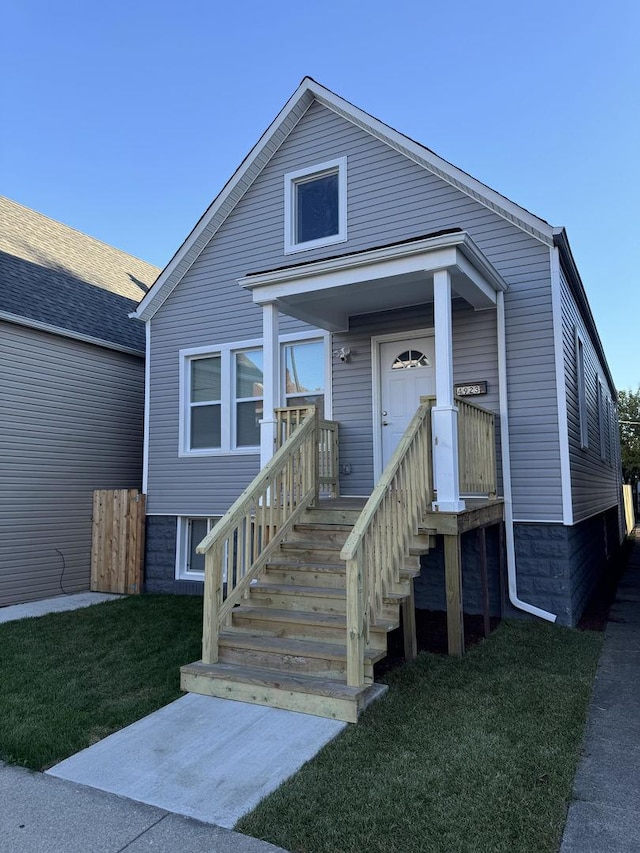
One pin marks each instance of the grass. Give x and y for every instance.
(70, 679)
(461, 756)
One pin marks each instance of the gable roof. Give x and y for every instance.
(56, 278)
(307, 92)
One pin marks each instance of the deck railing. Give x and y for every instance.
(476, 450)
(288, 420)
(375, 549)
(242, 542)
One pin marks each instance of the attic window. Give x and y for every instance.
(315, 208)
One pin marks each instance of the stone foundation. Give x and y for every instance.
(160, 558)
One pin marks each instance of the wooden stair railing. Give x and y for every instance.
(242, 542)
(476, 450)
(375, 549)
(288, 420)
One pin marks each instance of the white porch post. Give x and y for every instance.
(270, 381)
(445, 413)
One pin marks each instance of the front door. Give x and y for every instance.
(406, 374)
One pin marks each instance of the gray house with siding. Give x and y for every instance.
(72, 396)
(347, 266)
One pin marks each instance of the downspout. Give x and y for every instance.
(506, 472)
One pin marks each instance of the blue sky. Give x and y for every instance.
(124, 120)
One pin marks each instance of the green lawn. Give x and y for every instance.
(70, 679)
(468, 755)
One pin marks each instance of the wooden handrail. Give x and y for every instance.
(240, 545)
(375, 549)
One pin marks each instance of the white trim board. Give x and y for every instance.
(270, 142)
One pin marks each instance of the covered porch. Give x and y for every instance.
(431, 271)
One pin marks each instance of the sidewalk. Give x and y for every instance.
(605, 814)
(41, 813)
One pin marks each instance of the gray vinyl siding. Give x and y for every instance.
(390, 198)
(71, 422)
(475, 357)
(595, 484)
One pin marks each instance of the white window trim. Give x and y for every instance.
(603, 420)
(182, 547)
(291, 179)
(581, 382)
(227, 427)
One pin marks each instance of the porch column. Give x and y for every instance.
(270, 381)
(445, 413)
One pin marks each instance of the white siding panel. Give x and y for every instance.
(390, 198)
(71, 422)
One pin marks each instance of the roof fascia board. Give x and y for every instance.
(67, 333)
(570, 268)
(268, 144)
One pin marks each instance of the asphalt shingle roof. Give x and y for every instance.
(54, 274)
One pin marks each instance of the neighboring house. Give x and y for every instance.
(354, 267)
(71, 390)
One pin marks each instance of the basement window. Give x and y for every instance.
(315, 206)
(191, 532)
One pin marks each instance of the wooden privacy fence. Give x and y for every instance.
(117, 541)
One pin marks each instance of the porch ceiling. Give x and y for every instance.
(327, 293)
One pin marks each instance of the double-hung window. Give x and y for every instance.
(582, 393)
(315, 206)
(222, 389)
(205, 402)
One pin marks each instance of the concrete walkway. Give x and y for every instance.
(605, 814)
(54, 605)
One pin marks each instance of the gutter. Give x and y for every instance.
(506, 473)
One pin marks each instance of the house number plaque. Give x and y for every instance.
(470, 389)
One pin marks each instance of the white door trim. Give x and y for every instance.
(376, 393)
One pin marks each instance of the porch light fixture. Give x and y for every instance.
(344, 354)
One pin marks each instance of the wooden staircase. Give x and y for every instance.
(285, 644)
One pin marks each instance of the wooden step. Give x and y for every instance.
(329, 627)
(313, 599)
(331, 516)
(312, 657)
(293, 692)
(306, 574)
(312, 551)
